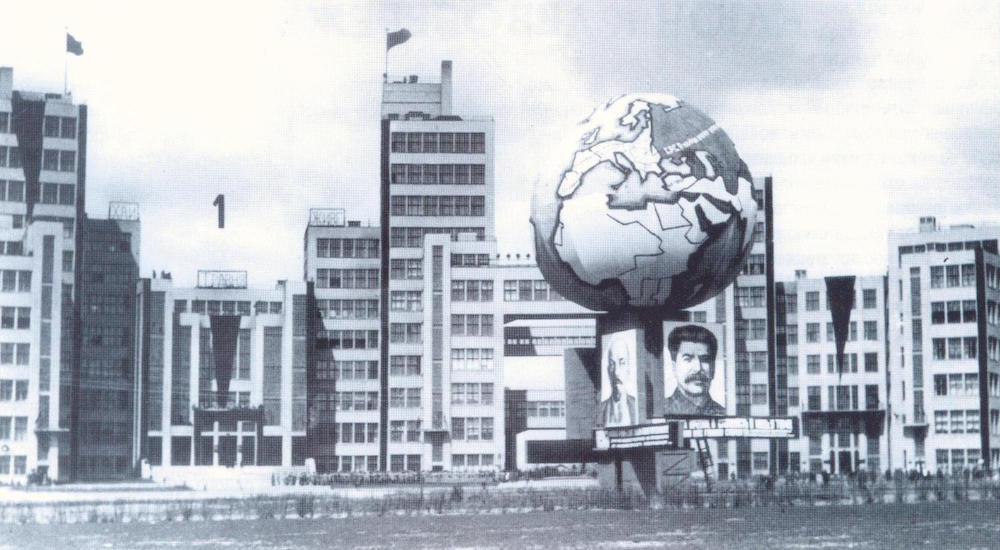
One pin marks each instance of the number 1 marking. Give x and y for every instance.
(220, 201)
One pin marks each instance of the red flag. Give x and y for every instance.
(396, 38)
(73, 45)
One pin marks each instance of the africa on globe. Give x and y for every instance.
(653, 210)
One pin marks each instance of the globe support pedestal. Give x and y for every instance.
(647, 470)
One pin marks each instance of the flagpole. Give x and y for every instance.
(65, 64)
(385, 74)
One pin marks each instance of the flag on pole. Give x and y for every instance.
(73, 45)
(396, 38)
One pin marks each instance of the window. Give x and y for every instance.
(20, 428)
(793, 365)
(67, 161)
(952, 277)
(871, 362)
(970, 347)
(937, 313)
(938, 345)
(812, 364)
(968, 274)
(937, 276)
(968, 311)
(68, 128)
(812, 301)
(793, 396)
(871, 330)
(868, 298)
(830, 336)
(792, 335)
(812, 332)
(941, 422)
(954, 348)
(760, 460)
(813, 393)
(758, 393)
(758, 329)
(758, 361)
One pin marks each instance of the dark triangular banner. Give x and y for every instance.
(225, 329)
(840, 293)
(26, 123)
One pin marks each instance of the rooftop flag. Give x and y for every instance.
(396, 38)
(73, 45)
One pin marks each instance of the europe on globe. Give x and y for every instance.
(654, 209)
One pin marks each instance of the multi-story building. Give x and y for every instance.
(221, 372)
(944, 375)
(841, 403)
(102, 418)
(756, 377)
(42, 182)
(437, 179)
(343, 259)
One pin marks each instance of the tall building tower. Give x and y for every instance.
(102, 419)
(437, 178)
(43, 144)
(944, 347)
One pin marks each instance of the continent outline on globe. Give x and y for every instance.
(662, 187)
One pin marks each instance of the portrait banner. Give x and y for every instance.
(694, 369)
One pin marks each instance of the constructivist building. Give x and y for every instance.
(944, 360)
(841, 403)
(42, 181)
(103, 386)
(221, 372)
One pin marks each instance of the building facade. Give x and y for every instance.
(221, 373)
(102, 419)
(841, 403)
(944, 374)
(42, 182)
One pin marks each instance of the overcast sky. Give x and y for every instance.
(868, 115)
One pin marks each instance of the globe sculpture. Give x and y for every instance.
(654, 210)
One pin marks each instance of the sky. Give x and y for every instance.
(867, 115)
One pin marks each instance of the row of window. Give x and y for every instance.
(405, 333)
(960, 459)
(850, 363)
(750, 296)
(955, 348)
(404, 430)
(471, 359)
(843, 397)
(404, 398)
(471, 290)
(396, 463)
(11, 190)
(952, 276)
(351, 401)
(20, 465)
(472, 325)
(10, 157)
(470, 260)
(529, 290)
(546, 409)
(355, 432)
(59, 126)
(347, 339)
(438, 205)
(472, 393)
(988, 245)
(58, 193)
(812, 332)
(438, 174)
(15, 317)
(59, 161)
(347, 248)
(13, 390)
(472, 428)
(413, 237)
(347, 370)
(404, 365)
(20, 425)
(956, 422)
(406, 300)
(227, 307)
(351, 463)
(15, 281)
(957, 384)
(406, 269)
(438, 142)
(869, 300)
(471, 461)
(992, 276)
(347, 278)
(953, 311)
(14, 354)
(348, 309)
